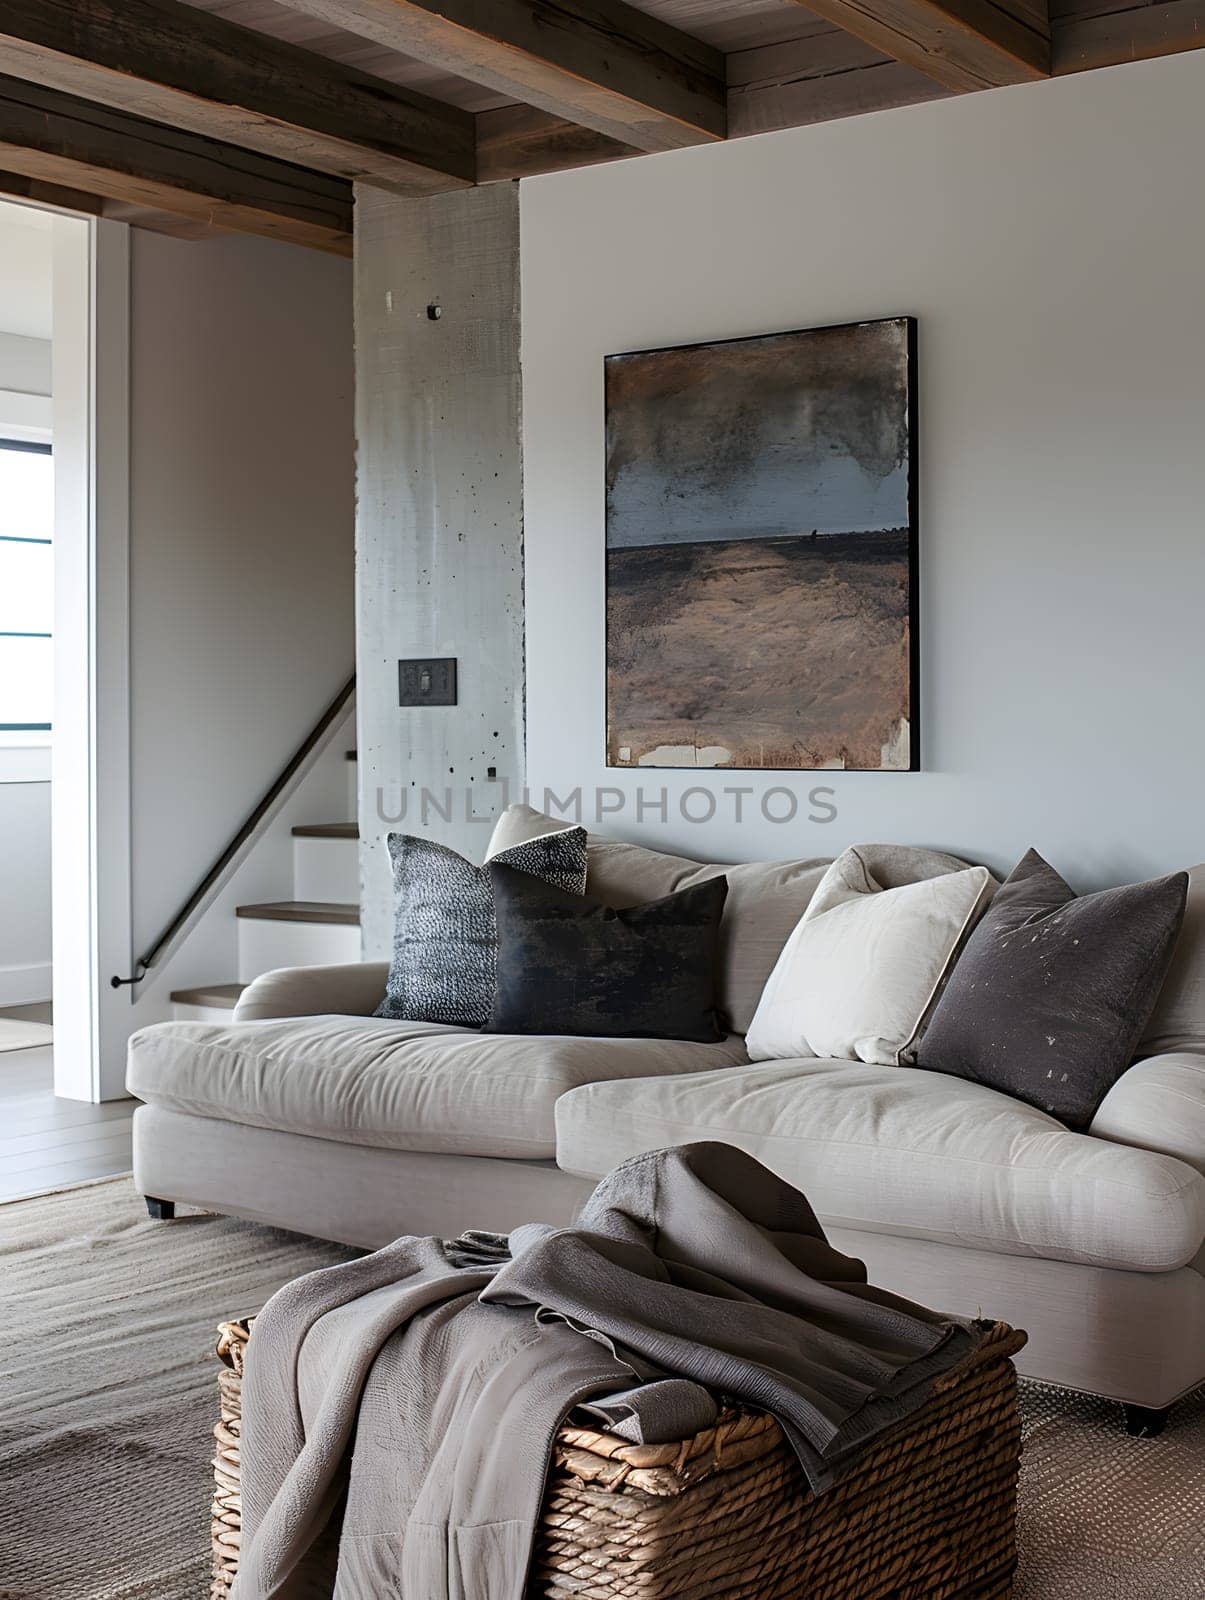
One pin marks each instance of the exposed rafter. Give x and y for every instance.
(598, 63)
(184, 67)
(1085, 38)
(17, 186)
(820, 77)
(961, 44)
(171, 116)
(517, 142)
(57, 139)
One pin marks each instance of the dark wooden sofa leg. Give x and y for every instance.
(1145, 1422)
(161, 1210)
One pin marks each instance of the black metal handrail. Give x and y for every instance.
(332, 713)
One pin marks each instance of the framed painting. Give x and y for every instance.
(761, 552)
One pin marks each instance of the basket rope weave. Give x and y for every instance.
(928, 1513)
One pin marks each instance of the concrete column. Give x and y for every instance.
(439, 527)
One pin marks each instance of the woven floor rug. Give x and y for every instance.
(107, 1400)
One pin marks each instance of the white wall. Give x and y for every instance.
(25, 413)
(209, 951)
(1050, 241)
(24, 891)
(25, 287)
(24, 360)
(209, 572)
(241, 539)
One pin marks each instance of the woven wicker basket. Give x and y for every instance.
(928, 1514)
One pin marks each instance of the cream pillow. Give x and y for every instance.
(859, 973)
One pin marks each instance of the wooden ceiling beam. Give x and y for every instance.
(88, 153)
(961, 44)
(17, 186)
(177, 65)
(1084, 40)
(598, 63)
(518, 142)
(819, 78)
(54, 138)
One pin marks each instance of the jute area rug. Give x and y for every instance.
(107, 1399)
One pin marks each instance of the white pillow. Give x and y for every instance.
(858, 974)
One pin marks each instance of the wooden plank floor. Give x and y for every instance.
(48, 1143)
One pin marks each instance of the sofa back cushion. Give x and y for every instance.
(765, 898)
(1178, 1020)
(765, 901)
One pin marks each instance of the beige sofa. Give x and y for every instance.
(310, 1114)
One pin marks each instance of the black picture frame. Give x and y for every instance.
(910, 327)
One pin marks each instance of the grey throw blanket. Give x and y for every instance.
(399, 1412)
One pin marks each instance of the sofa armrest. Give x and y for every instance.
(1159, 1104)
(352, 990)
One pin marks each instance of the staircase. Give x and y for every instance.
(320, 924)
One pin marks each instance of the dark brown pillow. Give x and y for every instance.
(1053, 992)
(569, 964)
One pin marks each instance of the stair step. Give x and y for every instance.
(326, 863)
(302, 911)
(297, 933)
(221, 996)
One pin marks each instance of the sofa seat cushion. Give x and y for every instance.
(900, 1151)
(396, 1085)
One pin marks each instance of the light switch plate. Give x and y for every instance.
(427, 683)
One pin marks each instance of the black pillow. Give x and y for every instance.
(1053, 992)
(569, 964)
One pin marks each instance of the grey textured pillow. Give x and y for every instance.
(1053, 992)
(445, 935)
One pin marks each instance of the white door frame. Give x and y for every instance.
(90, 787)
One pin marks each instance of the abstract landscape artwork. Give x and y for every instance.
(761, 552)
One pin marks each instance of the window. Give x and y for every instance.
(26, 586)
